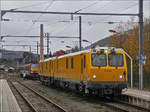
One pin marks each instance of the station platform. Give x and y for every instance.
(8, 101)
(138, 97)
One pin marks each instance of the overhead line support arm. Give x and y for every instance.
(71, 13)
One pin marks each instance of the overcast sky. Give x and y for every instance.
(94, 28)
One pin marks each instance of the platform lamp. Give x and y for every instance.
(84, 40)
(114, 31)
(68, 46)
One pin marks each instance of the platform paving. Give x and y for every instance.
(8, 101)
(138, 97)
(137, 93)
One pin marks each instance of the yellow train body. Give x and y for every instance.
(87, 70)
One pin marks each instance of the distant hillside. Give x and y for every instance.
(13, 58)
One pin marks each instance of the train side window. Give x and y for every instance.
(66, 63)
(72, 63)
(84, 61)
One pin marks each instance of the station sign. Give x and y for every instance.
(142, 59)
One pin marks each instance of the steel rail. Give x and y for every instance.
(114, 107)
(109, 104)
(135, 106)
(26, 100)
(103, 103)
(43, 97)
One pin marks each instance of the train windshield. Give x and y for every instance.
(34, 65)
(115, 59)
(98, 59)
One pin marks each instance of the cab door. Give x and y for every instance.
(83, 68)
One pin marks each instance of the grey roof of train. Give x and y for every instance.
(79, 52)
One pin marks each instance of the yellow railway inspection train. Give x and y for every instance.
(100, 71)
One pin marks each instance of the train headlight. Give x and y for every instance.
(106, 51)
(121, 76)
(94, 76)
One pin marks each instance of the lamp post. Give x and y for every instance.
(67, 46)
(84, 40)
(114, 31)
(69, 49)
(80, 33)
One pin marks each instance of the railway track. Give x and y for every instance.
(115, 105)
(123, 107)
(36, 101)
(134, 106)
(25, 107)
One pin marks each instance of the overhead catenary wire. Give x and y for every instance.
(48, 6)
(135, 4)
(38, 4)
(81, 0)
(85, 7)
(28, 31)
(76, 12)
(103, 7)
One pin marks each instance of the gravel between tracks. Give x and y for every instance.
(38, 102)
(71, 101)
(67, 100)
(23, 105)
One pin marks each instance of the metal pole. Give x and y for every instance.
(140, 44)
(2, 51)
(0, 20)
(37, 51)
(47, 44)
(41, 42)
(1, 27)
(30, 54)
(80, 33)
(131, 73)
(37, 47)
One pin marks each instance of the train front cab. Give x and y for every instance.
(108, 72)
(34, 71)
